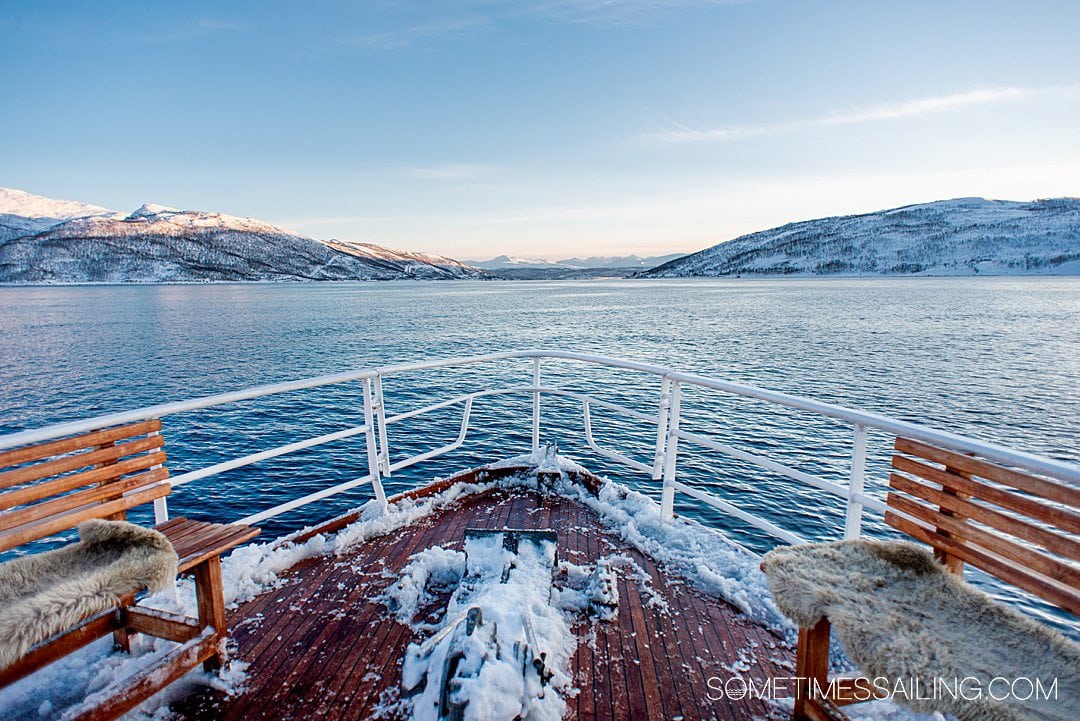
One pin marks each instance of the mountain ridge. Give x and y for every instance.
(593, 267)
(45, 240)
(58, 241)
(959, 236)
(501, 262)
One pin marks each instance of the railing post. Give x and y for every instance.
(671, 450)
(161, 505)
(586, 417)
(161, 514)
(372, 447)
(536, 406)
(161, 511)
(661, 428)
(853, 520)
(380, 414)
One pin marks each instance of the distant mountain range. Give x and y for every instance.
(61, 241)
(607, 266)
(965, 236)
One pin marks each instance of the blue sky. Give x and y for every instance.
(542, 127)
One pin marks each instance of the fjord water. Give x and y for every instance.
(993, 358)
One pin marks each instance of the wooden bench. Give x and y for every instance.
(54, 486)
(1015, 526)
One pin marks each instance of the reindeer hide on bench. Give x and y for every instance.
(900, 615)
(46, 593)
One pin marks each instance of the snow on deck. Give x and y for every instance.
(324, 644)
(663, 611)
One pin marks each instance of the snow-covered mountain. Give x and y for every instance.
(596, 261)
(620, 261)
(56, 241)
(595, 266)
(965, 236)
(419, 265)
(506, 261)
(19, 202)
(22, 213)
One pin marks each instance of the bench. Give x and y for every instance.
(51, 487)
(1015, 526)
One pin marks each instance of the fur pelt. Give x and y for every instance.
(900, 615)
(46, 593)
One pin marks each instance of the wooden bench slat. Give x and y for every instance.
(186, 537)
(206, 536)
(191, 561)
(1050, 490)
(1057, 594)
(170, 523)
(240, 535)
(21, 496)
(1033, 508)
(162, 624)
(999, 545)
(63, 464)
(217, 539)
(17, 456)
(176, 532)
(96, 494)
(146, 682)
(203, 536)
(42, 654)
(46, 527)
(1056, 543)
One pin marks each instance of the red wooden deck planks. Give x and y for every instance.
(318, 650)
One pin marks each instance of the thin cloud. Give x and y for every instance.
(566, 11)
(892, 111)
(195, 30)
(405, 37)
(607, 11)
(450, 171)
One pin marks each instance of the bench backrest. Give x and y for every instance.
(51, 487)
(1021, 528)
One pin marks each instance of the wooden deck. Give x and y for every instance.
(320, 647)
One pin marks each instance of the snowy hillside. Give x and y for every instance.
(18, 202)
(419, 265)
(965, 236)
(48, 241)
(22, 213)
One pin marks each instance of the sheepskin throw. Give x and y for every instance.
(49, 592)
(901, 616)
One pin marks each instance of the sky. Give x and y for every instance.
(539, 128)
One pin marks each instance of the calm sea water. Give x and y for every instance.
(994, 358)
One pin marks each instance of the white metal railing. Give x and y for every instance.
(668, 421)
